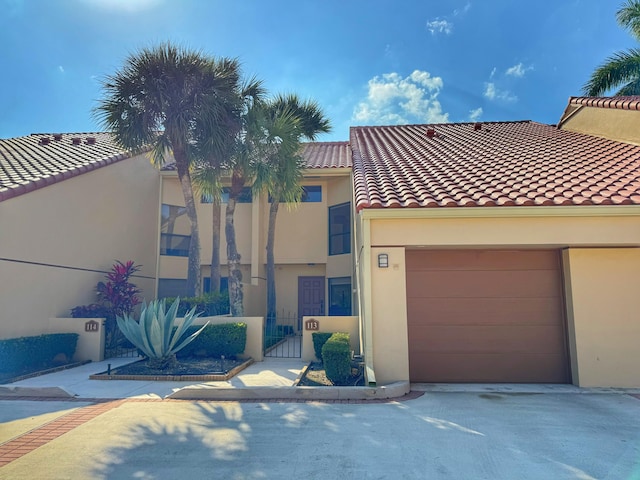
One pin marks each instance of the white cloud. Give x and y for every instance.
(60, 68)
(392, 99)
(463, 10)
(474, 115)
(491, 92)
(518, 70)
(440, 26)
(493, 73)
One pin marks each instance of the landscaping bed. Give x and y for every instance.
(315, 376)
(187, 369)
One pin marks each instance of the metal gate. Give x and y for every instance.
(283, 337)
(115, 343)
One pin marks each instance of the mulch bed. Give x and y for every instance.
(315, 376)
(186, 366)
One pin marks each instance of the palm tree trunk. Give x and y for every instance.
(215, 248)
(271, 266)
(193, 270)
(233, 257)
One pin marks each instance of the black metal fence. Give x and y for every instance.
(283, 337)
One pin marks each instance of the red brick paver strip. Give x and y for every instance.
(23, 444)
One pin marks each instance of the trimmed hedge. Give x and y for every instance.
(17, 354)
(228, 339)
(319, 339)
(208, 305)
(336, 356)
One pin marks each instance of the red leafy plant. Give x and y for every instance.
(117, 296)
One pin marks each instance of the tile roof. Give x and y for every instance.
(490, 164)
(327, 155)
(37, 160)
(619, 103)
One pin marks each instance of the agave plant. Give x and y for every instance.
(155, 334)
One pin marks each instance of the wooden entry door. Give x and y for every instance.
(310, 297)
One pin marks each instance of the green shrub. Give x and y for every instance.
(90, 311)
(228, 339)
(336, 356)
(319, 339)
(17, 354)
(207, 305)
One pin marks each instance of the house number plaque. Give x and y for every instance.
(91, 326)
(312, 324)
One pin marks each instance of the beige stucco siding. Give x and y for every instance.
(551, 232)
(85, 222)
(614, 124)
(604, 316)
(389, 316)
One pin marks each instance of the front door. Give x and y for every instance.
(310, 297)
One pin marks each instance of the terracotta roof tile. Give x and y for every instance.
(37, 160)
(500, 164)
(620, 103)
(327, 155)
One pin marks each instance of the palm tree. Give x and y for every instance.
(240, 164)
(213, 152)
(280, 171)
(156, 99)
(622, 69)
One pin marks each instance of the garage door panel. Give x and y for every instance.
(483, 283)
(434, 260)
(486, 316)
(486, 311)
(489, 368)
(485, 339)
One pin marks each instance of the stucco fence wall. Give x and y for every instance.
(603, 315)
(329, 325)
(91, 341)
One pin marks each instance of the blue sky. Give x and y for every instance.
(370, 62)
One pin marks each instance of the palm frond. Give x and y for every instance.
(622, 68)
(628, 17)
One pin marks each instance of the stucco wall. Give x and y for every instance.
(330, 325)
(622, 125)
(603, 316)
(389, 316)
(551, 232)
(85, 222)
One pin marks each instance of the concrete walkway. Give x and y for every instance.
(273, 379)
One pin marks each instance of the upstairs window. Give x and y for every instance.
(246, 196)
(174, 219)
(310, 194)
(340, 229)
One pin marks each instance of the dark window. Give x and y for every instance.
(206, 284)
(340, 296)
(246, 196)
(310, 194)
(174, 219)
(172, 287)
(340, 229)
(174, 245)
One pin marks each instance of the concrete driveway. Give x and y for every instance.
(435, 436)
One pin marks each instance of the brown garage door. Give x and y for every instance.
(485, 316)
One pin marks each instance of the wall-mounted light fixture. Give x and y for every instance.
(383, 260)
